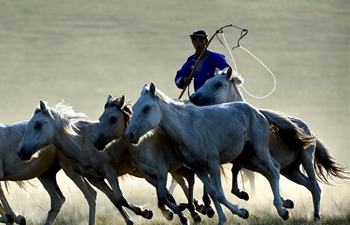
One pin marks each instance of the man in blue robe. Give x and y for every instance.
(206, 66)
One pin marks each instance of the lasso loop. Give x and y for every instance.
(234, 63)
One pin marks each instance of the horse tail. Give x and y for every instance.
(21, 184)
(222, 171)
(287, 131)
(325, 166)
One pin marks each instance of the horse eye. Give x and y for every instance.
(146, 109)
(218, 84)
(113, 119)
(38, 126)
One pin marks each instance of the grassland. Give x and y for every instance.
(81, 51)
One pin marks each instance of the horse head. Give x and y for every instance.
(113, 121)
(223, 87)
(38, 133)
(146, 113)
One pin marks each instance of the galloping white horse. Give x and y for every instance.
(73, 139)
(209, 136)
(315, 159)
(44, 167)
(154, 156)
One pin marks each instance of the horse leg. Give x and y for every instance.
(215, 175)
(210, 190)
(102, 186)
(307, 162)
(9, 216)
(165, 197)
(207, 210)
(112, 178)
(272, 174)
(251, 177)
(88, 192)
(165, 211)
(188, 174)
(49, 182)
(235, 189)
(310, 182)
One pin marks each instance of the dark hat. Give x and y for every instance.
(199, 34)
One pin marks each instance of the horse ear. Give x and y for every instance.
(121, 102)
(42, 106)
(229, 71)
(144, 88)
(110, 98)
(45, 110)
(152, 88)
(217, 72)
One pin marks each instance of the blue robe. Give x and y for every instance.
(204, 70)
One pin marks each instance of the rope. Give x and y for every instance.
(273, 76)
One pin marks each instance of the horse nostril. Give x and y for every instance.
(131, 135)
(193, 99)
(22, 154)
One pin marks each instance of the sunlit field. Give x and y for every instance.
(82, 51)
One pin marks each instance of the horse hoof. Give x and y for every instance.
(23, 221)
(245, 196)
(168, 215)
(210, 213)
(200, 209)
(197, 218)
(148, 214)
(317, 217)
(246, 214)
(285, 216)
(289, 204)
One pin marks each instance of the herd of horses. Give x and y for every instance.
(158, 135)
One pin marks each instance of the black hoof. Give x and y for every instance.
(23, 221)
(245, 196)
(285, 216)
(317, 217)
(149, 214)
(197, 218)
(289, 204)
(210, 213)
(246, 214)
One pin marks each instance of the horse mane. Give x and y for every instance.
(65, 117)
(166, 99)
(237, 80)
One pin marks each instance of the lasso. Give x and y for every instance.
(243, 33)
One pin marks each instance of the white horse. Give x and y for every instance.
(154, 156)
(209, 136)
(315, 159)
(44, 167)
(73, 139)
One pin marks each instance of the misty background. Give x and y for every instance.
(82, 51)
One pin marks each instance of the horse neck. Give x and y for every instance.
(175, 128)
(73, 146)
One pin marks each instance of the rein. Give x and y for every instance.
(243, 33)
